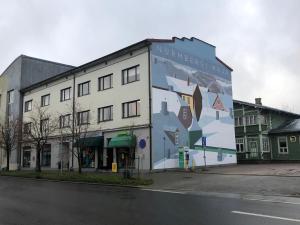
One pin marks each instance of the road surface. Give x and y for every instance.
(31, 202)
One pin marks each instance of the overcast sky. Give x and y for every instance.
(259, 39)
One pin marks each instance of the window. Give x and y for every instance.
(45, 100)
(27, 128)
(282, 145)
(0, 100)
(251, 120)
(265, 144)
(46, 155)
(10, 97)
(44, 126)
(84, 89)
(239, 145)
(105, 113)
(131, 109)
(65, 121)
(238, 121)
(83, 117)
(105, 82)
(65, 94)
(28, 106)
(130, 75)
(217, 115)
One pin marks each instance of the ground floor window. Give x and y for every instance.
(46, 156)
(26, 157)
(88, 159)
(239, 144)
(265, 142)
(282, 145)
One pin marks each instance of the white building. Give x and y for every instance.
(138, 104)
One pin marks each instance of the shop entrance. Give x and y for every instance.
(123, 158)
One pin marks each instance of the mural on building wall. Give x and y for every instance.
(192, 98)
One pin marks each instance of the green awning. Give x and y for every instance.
(122, 140)
(91, 141)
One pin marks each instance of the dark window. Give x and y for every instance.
(28, 106)
(26, 156)
(83, 117)
(44, 126)
(130, 75)
(105, 113)
(45, 100)
(27, 128)
(131, 109)
(84, 89)
(46, 155)
(105, 82)
(65, 94)
(65, 121)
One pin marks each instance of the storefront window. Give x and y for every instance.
(46, 156)
(88, 159)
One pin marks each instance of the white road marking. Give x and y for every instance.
(273, 201)
(164, 191)
(266, 216)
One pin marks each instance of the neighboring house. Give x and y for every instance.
(260, 132)
(21, 73)
(143, 103)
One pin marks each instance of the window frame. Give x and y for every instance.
(137, 74)
(26, 109)
(63, 95)
(10, 97)
(42, 126)
(100, 120)
(62, 121)
(44, 97)
(101, 82)
(128, 103)
(27, 131)
(280, 148)
(79, 120)
(80, 87)
(239, 143)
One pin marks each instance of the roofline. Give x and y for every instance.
(180, 39)
(265, 107)
(133, 47)
(228, 67)
(47, 61)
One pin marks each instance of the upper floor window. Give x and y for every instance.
(130, 75)
(10, 97)
(83, 117)
(238, 121)
(45, 100)
(44, 126)
(105, 82)
(84, 89)
(131, 109)
(28, 106)
(65, 94)
(64, 121)
(27, 128)
(105, 113)
(251, 120)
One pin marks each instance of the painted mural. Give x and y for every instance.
(192, 98)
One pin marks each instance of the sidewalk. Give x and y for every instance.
(268, 180)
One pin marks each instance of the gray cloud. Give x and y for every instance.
(260, 40)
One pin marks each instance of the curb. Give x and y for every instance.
(241, 174)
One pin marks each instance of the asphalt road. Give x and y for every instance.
(29, 202)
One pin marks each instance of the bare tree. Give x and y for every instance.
(9, 138)
(37, 130)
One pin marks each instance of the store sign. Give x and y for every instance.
(114, 167)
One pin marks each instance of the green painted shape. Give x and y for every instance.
(90, 142)
(194, 136)
(216, 149)
(181, 158)
(122, 140)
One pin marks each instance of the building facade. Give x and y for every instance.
(143, 104)
(259, 132)
(21, 73)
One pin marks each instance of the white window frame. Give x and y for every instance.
(239, 142)
(28, 106)
(263, 144)
(287, 145)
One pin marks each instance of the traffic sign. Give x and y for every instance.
(203, 141)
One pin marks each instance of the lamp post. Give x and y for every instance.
(164, 138)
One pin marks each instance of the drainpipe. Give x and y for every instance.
(73, 121)
(150, 103)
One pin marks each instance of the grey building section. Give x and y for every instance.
(25, 71)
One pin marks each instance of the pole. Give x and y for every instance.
(164, 138)
(204, 156)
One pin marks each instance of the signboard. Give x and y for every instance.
(142, 143)
(203, 141)
(181, 158)
(114, 167)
